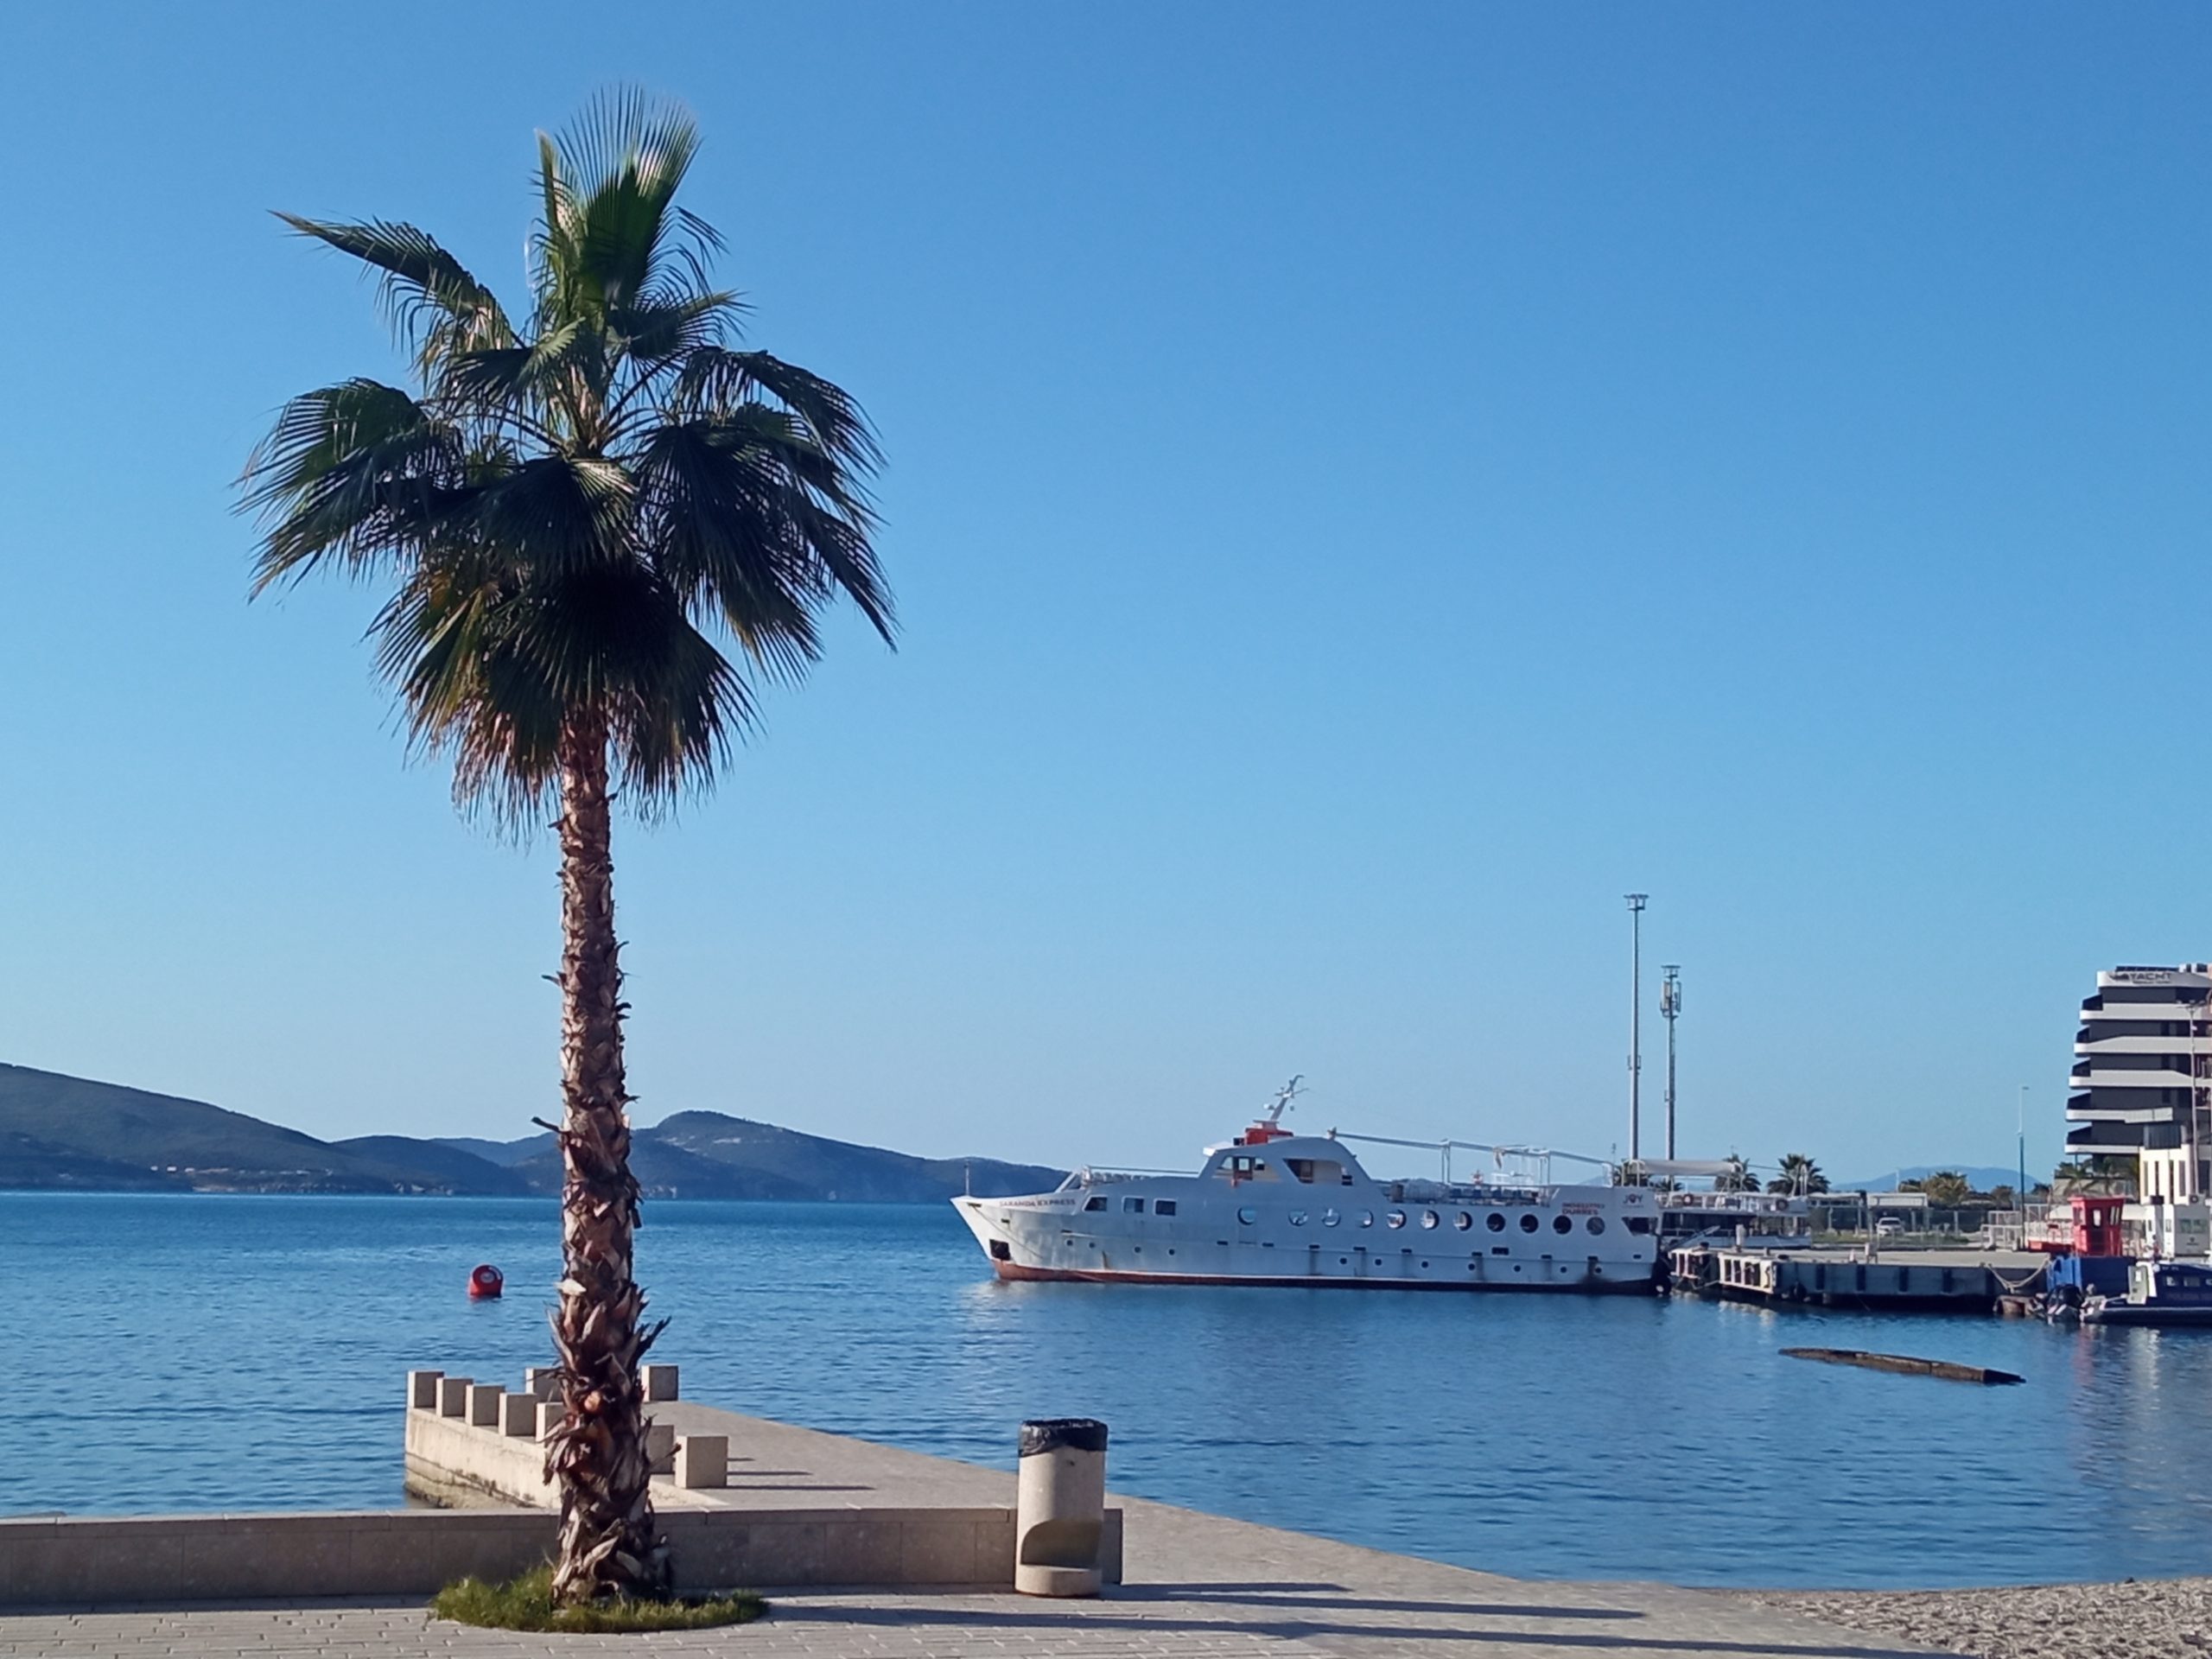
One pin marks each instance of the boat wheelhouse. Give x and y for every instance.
(1274, 1208)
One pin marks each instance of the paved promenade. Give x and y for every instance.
(1200, 1585)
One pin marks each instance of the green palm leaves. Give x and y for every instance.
(581, 516)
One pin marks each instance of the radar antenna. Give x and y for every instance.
(1280, 1104)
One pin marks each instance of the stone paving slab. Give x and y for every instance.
(1288, 1620)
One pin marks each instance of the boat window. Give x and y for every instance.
(1596, 1224)
(1301, 1167)
(1528, 1223)
(1298, 1217)
(1494, 1222)
(1329, 1218)
(1463, 1221)
(1098, 1203)
(1163, 1207)
(1248, 1215)
(1242, 1166)
(1397, 1217)
(1132, 1206)
(1563, 1223)
(1367, 1217)
(1639, 1223)
(1430, 1218)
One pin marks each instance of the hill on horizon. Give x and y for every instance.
(61, 1132)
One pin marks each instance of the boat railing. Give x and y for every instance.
(1087, 1176)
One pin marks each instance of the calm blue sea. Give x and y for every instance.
(202, 1352)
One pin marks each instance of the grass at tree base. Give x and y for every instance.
(526, 1603)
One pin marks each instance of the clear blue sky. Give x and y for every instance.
(1368, 487)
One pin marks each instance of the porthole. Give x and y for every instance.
(1494, 1222)
(1464, 1221)
(1248, 1215)
(1396, 1218)
(1298, 1217)
(1528, 1223)
(1367, 1217)
(1596, 1224)
(1429, 1218)
(1563, 1223)
(1329, 1218)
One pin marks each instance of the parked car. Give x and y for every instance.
(1888, 1227)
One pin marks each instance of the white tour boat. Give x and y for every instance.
(1275, 1208)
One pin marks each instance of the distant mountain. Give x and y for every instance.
(840, 1170)
(1983, 1177)
(506, 1153)
(455, 1170)
(58, 1131)
(670, 1172)
(65, 1131)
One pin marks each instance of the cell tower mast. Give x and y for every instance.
(1670, 1004)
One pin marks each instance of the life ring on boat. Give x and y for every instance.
(485, 1281)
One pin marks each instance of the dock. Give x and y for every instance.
(1190, 1583)
(1939, 1280)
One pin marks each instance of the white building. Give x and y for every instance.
(2141, 1088)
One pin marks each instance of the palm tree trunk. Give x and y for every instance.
(608, 1541)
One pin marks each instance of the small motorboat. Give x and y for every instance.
(2158, 1293)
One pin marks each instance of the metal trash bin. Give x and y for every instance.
(1059, 1515)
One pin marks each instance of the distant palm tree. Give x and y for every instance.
(576, 516)
(1947, 1189)
(1799, 1176)
(1736, 1178)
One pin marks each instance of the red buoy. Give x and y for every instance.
(485, 1281)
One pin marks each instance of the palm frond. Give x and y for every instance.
(608, 183)
(715, 380)
(434, 304)
(581, 516)
(357, 471)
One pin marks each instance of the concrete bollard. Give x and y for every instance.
(483, 1404)
(551, 1413)
(519, 1415)
(660, 1383)
(453, 1396)
(1060, 1515)
(702, 1460)
(543, 1381)
(423, 1390)
(660, 1447)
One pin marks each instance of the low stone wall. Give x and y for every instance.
(166, 1559)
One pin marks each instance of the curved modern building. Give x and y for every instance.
(2139, 1089)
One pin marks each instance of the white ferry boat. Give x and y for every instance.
(1275, 1208)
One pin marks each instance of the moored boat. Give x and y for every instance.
(2158, 1293)
(1271, 1207)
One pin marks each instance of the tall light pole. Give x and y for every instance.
(1670, 1004)
(2021, 1201)
(1636, 901)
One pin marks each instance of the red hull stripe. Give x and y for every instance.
(1015, 1270)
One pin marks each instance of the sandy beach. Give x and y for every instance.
(2149, 1619)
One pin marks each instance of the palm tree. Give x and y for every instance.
(1799, 1175)
(576, 516)
(1736, 1178)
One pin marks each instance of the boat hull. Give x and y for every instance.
(1019, 1273)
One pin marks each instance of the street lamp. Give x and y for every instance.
(1635, 902)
